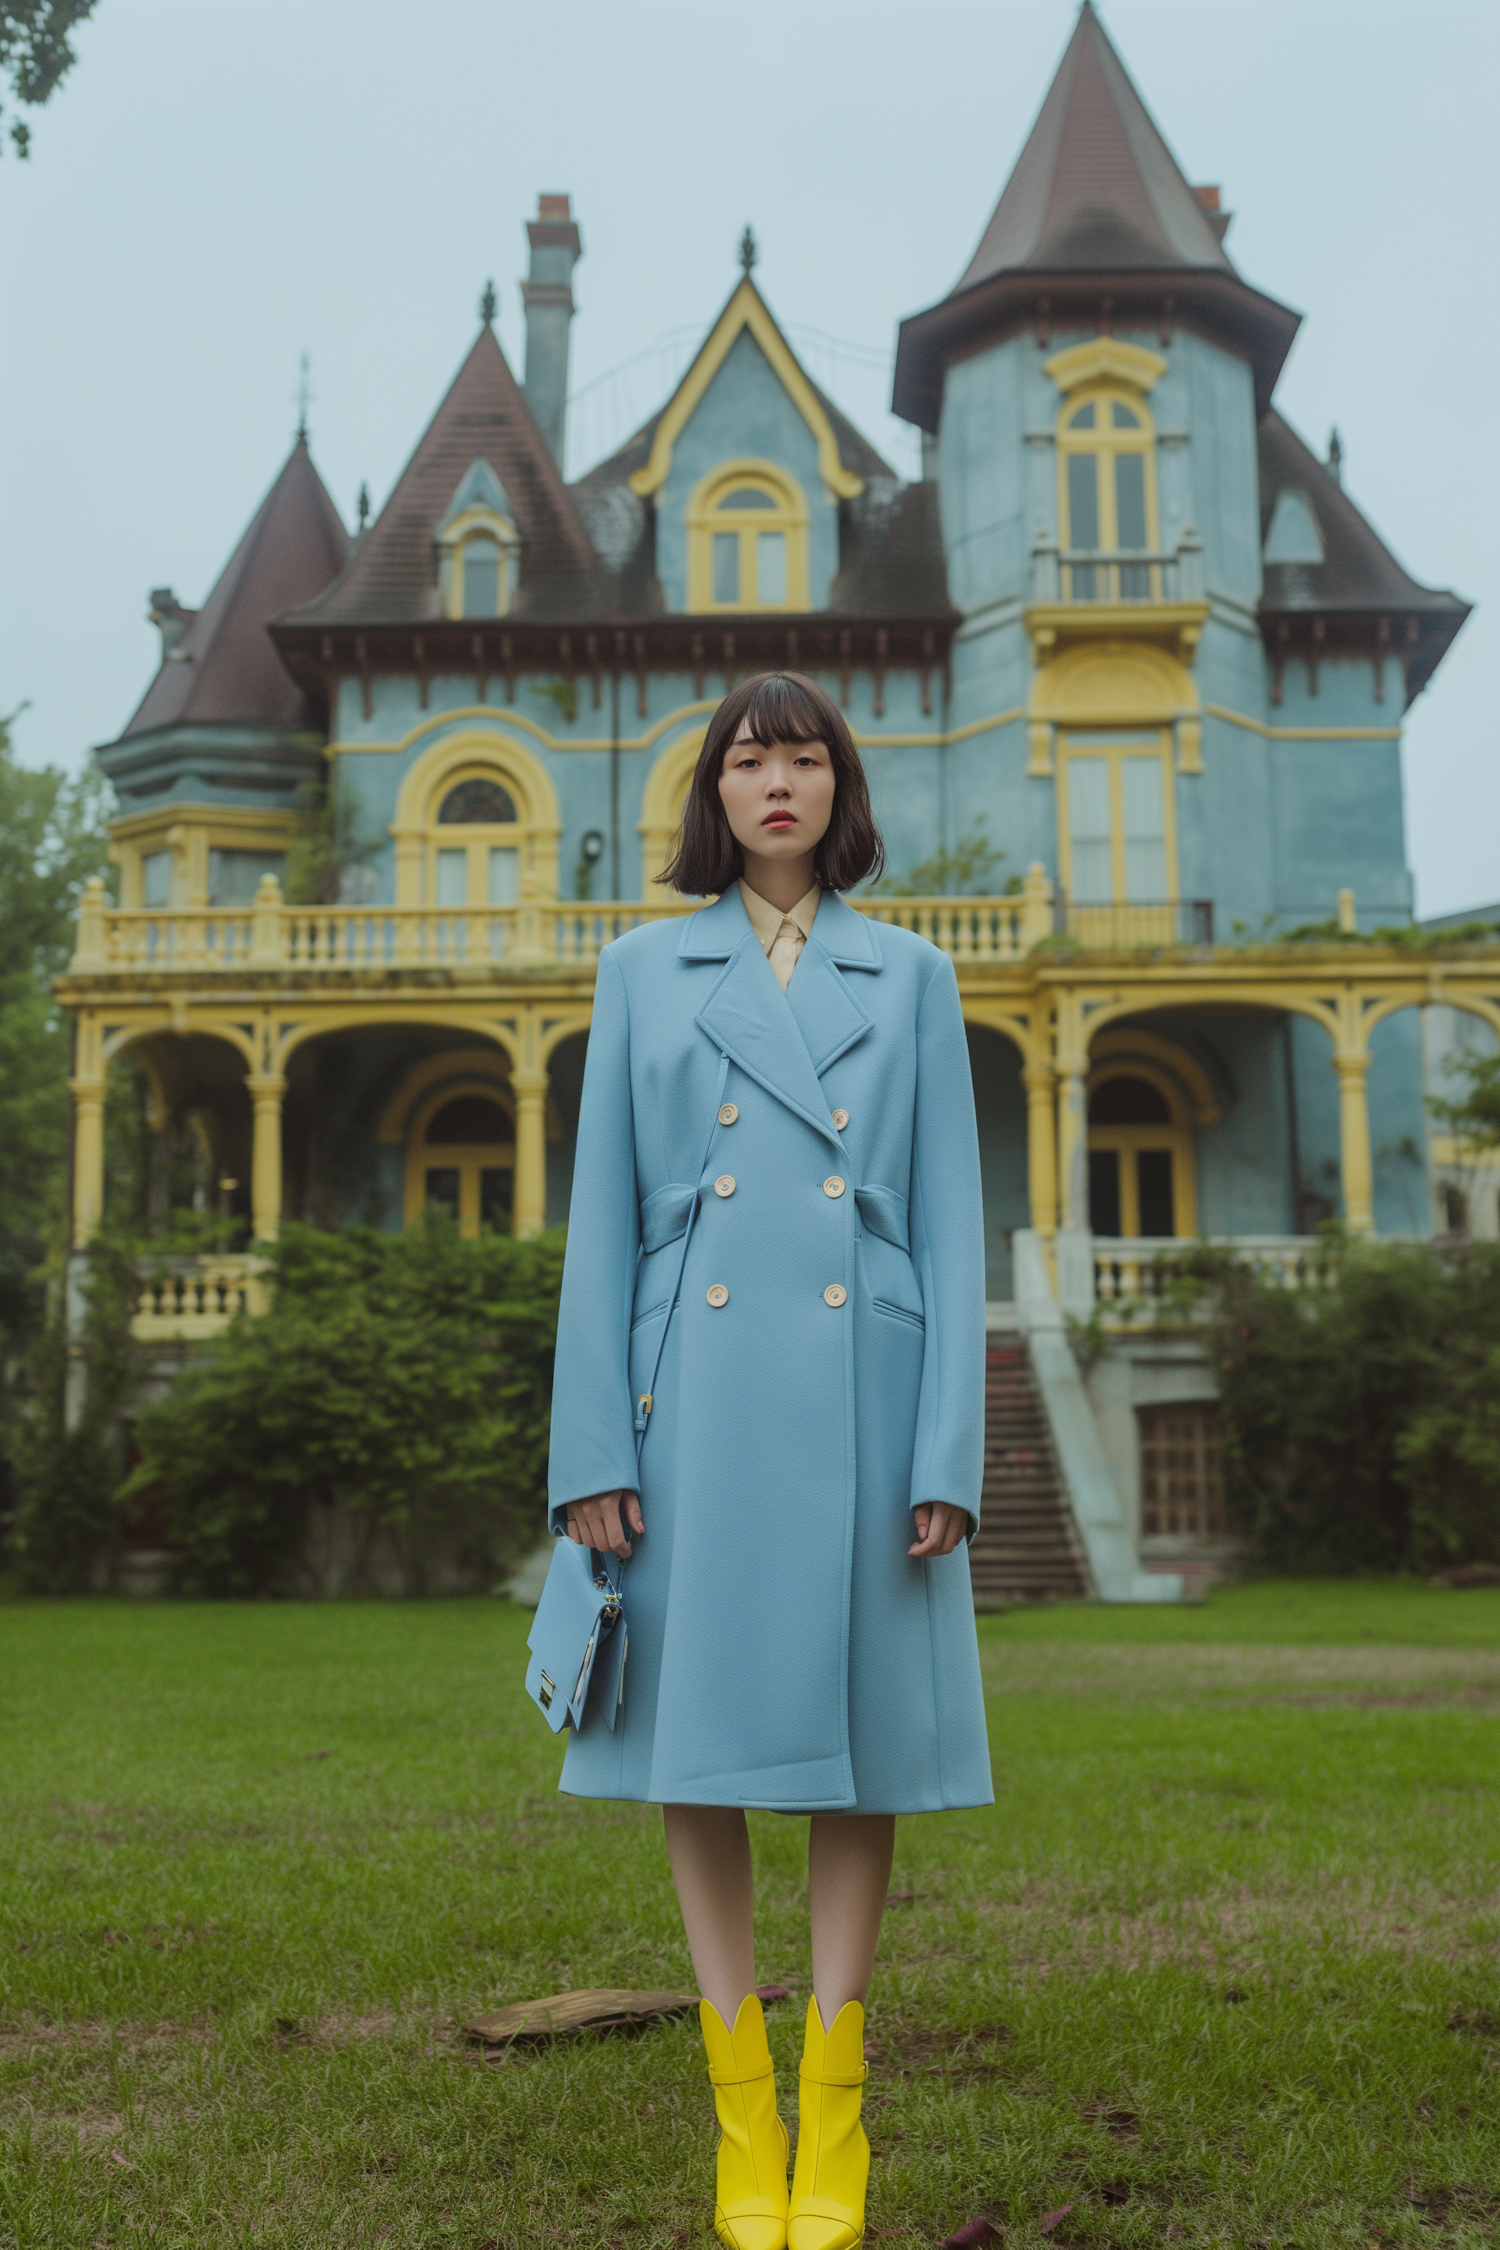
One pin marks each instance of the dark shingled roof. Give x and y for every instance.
(1358, 570)
(225, 670)
(891, 561)
(1096, 187)
(1095, 197)
(391, 577)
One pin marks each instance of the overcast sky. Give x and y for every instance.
(223, 184)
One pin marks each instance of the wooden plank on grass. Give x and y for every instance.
(563, 2012)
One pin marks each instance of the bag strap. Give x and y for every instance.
(644, 1402)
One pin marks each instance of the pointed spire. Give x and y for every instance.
(489, 305)
(749, 252)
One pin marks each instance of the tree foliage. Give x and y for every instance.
(36, 53)
(1362, 1414)
(401, 1382)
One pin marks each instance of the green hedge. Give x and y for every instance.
(405, 1379)
(1362, 1414)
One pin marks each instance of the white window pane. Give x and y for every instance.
(726, 566)
(505, 875)
(1145, 828)
(234, 877)
(156, 879)
(770, 566)
(482, 578)
(1088, 826)
(452, 879)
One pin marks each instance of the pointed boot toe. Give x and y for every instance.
(833, 2156)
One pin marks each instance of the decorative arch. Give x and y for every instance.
(1123, 1044)
(328, 1020)
(477, 753)
(439, 1074)
(483, 1171)
(662, 801)
(730, 513)
(1135, 1161)
(1115, 684)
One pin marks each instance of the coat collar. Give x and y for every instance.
(782, 1040)
(714, 931)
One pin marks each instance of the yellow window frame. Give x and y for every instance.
(706, 515)
(467, 1158)
(1143, 743)
(1107, 443)
(476, 838)
(1130, 1140)
(477, 523)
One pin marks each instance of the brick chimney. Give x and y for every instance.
(548, 298)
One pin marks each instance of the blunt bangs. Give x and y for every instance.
(776, 707)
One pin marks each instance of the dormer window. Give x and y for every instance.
(747, 540)
(478, 547)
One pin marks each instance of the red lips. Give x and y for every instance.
(779, 820)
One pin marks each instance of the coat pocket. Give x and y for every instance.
(884, 1214)
(898, 1312)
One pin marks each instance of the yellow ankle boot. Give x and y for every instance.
(750, 2206)
(833, 2156)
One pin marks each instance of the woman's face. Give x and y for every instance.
(778, 801)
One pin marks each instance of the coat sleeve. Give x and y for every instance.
(947, 1242)
(593, 1414)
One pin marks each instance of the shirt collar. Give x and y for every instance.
(766, 920)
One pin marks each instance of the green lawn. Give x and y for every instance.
(1222, 1965)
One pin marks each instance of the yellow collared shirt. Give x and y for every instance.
(782, 936)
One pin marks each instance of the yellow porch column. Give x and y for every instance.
(1072, 1113)
(1356, 1173)
(530, 1090)
(265, 1158)
(88, 1157)
(1041, 1148)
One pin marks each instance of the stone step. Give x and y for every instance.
(1028, 1547)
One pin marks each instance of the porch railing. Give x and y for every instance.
(1142, 922)
(1133, 1274)
(183, 1300)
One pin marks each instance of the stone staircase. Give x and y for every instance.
(1028, 1547)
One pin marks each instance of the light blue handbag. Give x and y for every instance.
(578, 1638)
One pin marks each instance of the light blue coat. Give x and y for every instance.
(784, 1652)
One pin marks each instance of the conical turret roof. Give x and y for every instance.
(1096, 220)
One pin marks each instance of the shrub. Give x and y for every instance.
(403, 1380)
(1362, 1414)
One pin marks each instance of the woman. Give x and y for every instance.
(801, 1630)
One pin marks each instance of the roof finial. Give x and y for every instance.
(489, 305)
(363, 504)
(1336, 455)
(748, 251)
(304, 396)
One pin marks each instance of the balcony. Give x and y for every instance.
(1111, 928)
(1133, 1277)
(1080, 593)
(184, 1299)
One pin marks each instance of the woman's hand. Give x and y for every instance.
(939, 1529)
(600, 1522)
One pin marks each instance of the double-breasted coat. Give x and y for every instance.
(822, 1375)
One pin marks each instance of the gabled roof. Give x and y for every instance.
(1096, 207)
(391, 577)
(1096, 187)
(224, 670)
(747, 308)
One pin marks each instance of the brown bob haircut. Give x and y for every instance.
(777, 707)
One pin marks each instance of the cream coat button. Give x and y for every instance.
(835, 1186)
(728, 1114)
(835, 1294)
(724, 1184)
(718, 1295)
(840, 1119)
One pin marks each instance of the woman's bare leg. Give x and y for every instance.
(708, 1849)
(848, 1876)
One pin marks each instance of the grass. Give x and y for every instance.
(1221, 1966)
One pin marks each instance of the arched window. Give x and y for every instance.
(1106, 459)
(462, 1157)
(1140, 1157)
(483, 866)
(477, 550)
(747, 540)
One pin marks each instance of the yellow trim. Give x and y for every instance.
(1302, 734)
(662, 801)
(1078, 746)
(705, 520)
(1124, 1040)
(1105, 359)
(500, 717)
(1115, 685)
(470, 754)
(1104, 444)
(488, 1063)
(190, 833)
(475, 523)
(1130, 1140)
(745, 309)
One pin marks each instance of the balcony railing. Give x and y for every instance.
(1118, 574)
(556, 936)
(1173, 921)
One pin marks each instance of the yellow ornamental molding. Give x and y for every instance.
(1105, 359)
(745, 309)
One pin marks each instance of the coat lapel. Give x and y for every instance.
(783, 1047)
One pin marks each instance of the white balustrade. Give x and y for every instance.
(183, 1300)
(1133, 1273)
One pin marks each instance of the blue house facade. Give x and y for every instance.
(1127, 666)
